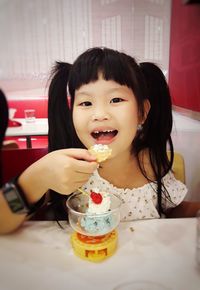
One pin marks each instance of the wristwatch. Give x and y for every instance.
(16, 198)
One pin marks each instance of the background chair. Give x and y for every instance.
(10, 144)
(179, 167)
(15, 161)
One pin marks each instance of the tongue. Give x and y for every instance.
(105, 136)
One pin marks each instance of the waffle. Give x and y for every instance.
(100, 151)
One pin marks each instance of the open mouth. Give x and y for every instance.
(105, 135)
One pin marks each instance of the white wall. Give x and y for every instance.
(34, 34)
(186, 138)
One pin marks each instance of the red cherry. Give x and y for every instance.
(96, 197)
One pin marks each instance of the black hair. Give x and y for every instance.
(66, 78)
(156, 133)
(3, 125)
(123, 69)
(4, 116)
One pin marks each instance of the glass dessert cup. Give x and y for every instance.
(95, 236)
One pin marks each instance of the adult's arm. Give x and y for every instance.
(62, 171)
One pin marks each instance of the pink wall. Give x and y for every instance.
(184, 66)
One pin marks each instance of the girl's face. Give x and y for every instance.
(106, 112)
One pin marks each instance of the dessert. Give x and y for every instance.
(98, 219)
(98, 202)
(94, 216)
(100, 151)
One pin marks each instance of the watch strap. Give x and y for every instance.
(29, 209)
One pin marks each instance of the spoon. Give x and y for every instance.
(82, 191)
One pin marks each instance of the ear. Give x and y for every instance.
(147, 107)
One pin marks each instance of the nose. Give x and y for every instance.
(100, 113)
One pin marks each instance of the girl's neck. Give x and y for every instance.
(123, 172)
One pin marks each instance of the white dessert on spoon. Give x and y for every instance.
(100, 151)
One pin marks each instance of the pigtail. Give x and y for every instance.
(158, 126)
(156, 133)
(61, 130)
(59, 114)
(59, 136)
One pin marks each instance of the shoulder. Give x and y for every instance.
(169, 180)
(174, 190)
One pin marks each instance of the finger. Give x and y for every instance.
(79, 184)
(79, 177)
(85, 167)
(80, 154)
(88, 173)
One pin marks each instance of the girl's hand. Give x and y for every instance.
(68, 169)
(62, 171)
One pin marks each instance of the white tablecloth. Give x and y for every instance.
(36, 128)
(39, 256)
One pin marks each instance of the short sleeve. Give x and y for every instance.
(174, 191)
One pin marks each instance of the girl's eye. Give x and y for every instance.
(85, 104)
(116, 100)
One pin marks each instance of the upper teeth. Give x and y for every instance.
(103, 131)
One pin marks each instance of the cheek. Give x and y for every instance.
(80, 122)
(130, 117)
(80, 126)
(130, 124)
(77, 121)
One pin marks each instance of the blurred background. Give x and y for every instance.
(34, 34)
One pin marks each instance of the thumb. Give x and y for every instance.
(80, 154)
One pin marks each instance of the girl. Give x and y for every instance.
(111, 100)
(110, 105)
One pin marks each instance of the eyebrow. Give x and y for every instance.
(83, 93)
(91, 95)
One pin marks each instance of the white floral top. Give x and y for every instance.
(142, 203)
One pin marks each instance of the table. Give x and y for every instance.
(39, 256)
(37, 128)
